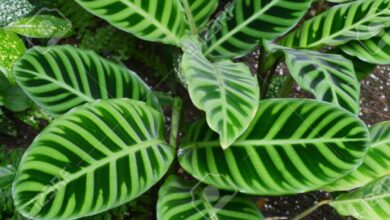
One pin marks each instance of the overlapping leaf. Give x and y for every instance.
(94, 158)
(292, 146)
(329, 77)
(226, 91)
(359, 20)
(180, 199)
(375, 165)
(238, 30)
(62, 77)
(199, 12)
(368, 203)
(375, 50)
(11, 49)
(153, 20)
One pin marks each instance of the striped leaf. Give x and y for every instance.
(329, 77)
(375, 50)
(358, 20)
(180, 199)
(375, 165)
(198, 12)
(369, 203)
(239, 29)
(152, 20)
(292, 146)
(94, 158)
(61, 77)
(226, 91)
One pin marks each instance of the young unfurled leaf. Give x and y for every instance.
(226, 91)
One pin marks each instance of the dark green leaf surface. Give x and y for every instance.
(153, 20)
(239, 29)
(180, 199)
(375, 165)
(94, 158)
(359, 20)
(60, 78)
(292, 146)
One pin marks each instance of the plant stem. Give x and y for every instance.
(175, 120)
(190, 17)
(267, 64)
(310, 210)
(287, 86)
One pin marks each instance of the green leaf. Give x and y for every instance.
(226, 91)
(375, 165)
(15, 99)
(292, 146)
(199, 12)
(11, 10)
(59, 78)
(238, 30)
(370, 202)
(11, 48)
(152, 20)
(329, 77)
(358, 20)
(375, 50)
(41, 26)
(94, 158)
(180, 199)
(7, 175)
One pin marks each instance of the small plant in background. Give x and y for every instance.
(107, 143)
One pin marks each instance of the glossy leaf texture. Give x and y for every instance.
(41, 26)
(375, 165)
(359, 20)
(329, 77)
(199, 12)
(92, 159)
(11, 49)
(226, 91)
(375, 50)
(181, 199)
(313, 144)
(367, 203)
(60, 78)
(152, 20)
(238, 30)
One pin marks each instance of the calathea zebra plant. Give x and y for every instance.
(106, 146)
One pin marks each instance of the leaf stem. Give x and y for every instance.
(311, 209)
(267, 63)
(175, 120)
(287, 86)
(190, 17)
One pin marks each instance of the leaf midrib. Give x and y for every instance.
(206, 144)
(354, 200)
(94, 166)
(240, 27)
(153, 20)
(378, 144)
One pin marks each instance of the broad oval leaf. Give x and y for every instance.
(11, 49)
(179, 199)
(94, 158)
(292, 146)
(375, 165)
(369, 202)
(226, 91)
(152, 20)
(329, 77)
(62, 77)
(358, 20)
(240, 27)
(375, 50)
(198, 12)
(41, 26)
(11, 10)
